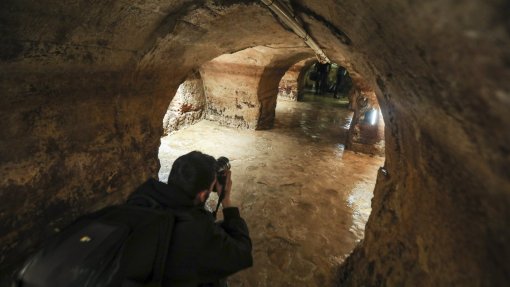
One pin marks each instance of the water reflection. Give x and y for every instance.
(305, 198)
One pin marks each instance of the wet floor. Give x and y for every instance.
(306, 200)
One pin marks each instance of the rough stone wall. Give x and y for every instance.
(241, 88)
(188, 105)
(231, 89)
(304, 81)
(365, 135)
(440, 211)
(76, 131)
(289, 86)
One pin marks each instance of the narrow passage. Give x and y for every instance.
(306, 200)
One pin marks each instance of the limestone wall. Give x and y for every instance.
(188, 105)
(442, 201)
(241, 88)
(290, 86)
(366, 132)
(231, 90)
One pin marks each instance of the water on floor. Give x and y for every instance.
(305, 199)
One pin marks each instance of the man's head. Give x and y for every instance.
(195, 174)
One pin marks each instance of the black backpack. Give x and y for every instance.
(122, 245)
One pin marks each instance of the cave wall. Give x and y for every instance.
(442, 202)
(304, 81)
(241, 88)
(364, 135)
(71, 137)
(290, 86)
(187, 106)
(85, 88)
(230, 85)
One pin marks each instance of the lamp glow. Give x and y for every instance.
(373, 117)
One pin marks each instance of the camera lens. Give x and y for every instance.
(223, 164)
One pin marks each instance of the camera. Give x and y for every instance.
(222, 165)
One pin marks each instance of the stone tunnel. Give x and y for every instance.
(86, 88)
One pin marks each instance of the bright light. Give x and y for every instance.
(373, 116)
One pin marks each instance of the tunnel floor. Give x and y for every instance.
(305, 199)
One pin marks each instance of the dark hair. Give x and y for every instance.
(193, 172)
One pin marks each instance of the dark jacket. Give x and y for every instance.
(201, 251)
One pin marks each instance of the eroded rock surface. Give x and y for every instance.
(366, 133)
(188, 105)
(241, 88)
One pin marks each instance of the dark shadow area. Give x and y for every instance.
(327, 80)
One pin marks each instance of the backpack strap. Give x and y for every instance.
(165, 235)
(149, 201)
(167, 226)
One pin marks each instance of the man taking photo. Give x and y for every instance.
(201, 251)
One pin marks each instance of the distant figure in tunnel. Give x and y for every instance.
(202, 252)
(321, 82)
(341, 75)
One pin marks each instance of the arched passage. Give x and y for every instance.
(366, 132)
(268, 88)
(241, 88)
(292, 83)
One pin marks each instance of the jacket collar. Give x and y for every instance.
(167, 196)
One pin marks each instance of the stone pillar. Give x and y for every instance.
(231, 91)
(241, 88)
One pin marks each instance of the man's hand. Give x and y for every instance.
(226, 190)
